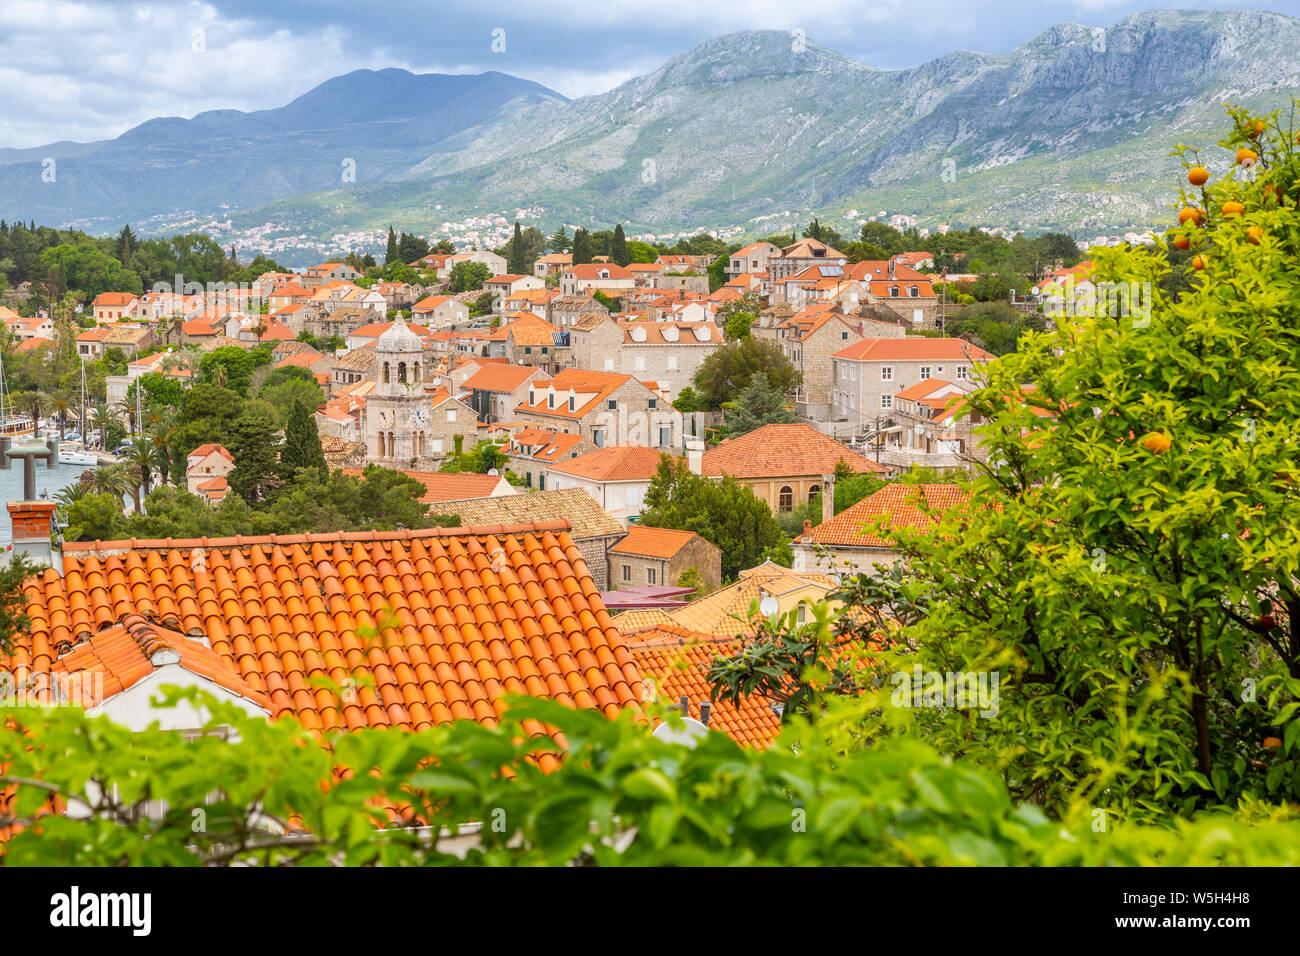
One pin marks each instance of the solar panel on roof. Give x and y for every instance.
(830, 270)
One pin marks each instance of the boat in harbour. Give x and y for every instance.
(71, 455)
(12, 424)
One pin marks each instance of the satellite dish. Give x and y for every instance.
(688, 733)
(493, 472)
(919, 429)
(769, 606)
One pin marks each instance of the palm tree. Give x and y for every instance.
(71, 493)
(161, 433)
(60, 405)
(139, 465)
(126, 409)
(101, 416)
(112, 479)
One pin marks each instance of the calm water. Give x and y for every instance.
(49, 480)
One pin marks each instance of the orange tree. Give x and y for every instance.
(1128, 564)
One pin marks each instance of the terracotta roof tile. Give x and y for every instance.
(674, 663)
(464, 612)
(655, 542)
(897, 505)
(614, 463)
(913, 348)
(776, 451)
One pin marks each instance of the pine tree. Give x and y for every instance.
(559, 242)
(618, 252)
(391, 255)
(251, 440)
(517, 264)
(302, 447)
(759, 404)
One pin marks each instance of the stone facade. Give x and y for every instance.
(398, 412)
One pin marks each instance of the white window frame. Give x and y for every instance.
(887, 402)
(886, 373)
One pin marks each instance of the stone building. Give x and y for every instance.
(607, 408)
(668, 353)
(659, 556)
(398, 410)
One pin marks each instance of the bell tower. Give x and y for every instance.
(398, 411)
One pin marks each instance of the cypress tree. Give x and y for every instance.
(618, 253)
(391, 255)
(582, 251)
(302, 448)
(517, 264)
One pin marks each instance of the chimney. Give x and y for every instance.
(31, 517)
(695, 455)
(828, 497)
(706, 708)
(891, 268)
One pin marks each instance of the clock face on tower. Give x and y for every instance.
(385, 418)
(419, 418)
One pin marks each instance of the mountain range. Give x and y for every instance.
(1069, 131)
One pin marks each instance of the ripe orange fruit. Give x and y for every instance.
(1257, 128)
(1273, 743)
(1182, 242)
(1247, 157)
(1194, 216)
(1254, 234)
(1233, 208)
(1156, 443)
(1198, 175)
(1198, 263)
(1274, 193)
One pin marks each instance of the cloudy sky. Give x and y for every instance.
(90, 69)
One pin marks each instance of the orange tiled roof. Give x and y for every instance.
(498, 377)
(614, 463)
(895, 506)
(427, 626)
(675, 662)
(655, 542)
(126, 654)
(778, 451)
(204, 450)
(913, 348)
(922, 389)
(113, 298)
(597, 385)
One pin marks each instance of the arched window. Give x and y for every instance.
(786, 499)
(381, 445)
(415, 372)
(814, 492)
(401, 372)
(385, 373)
